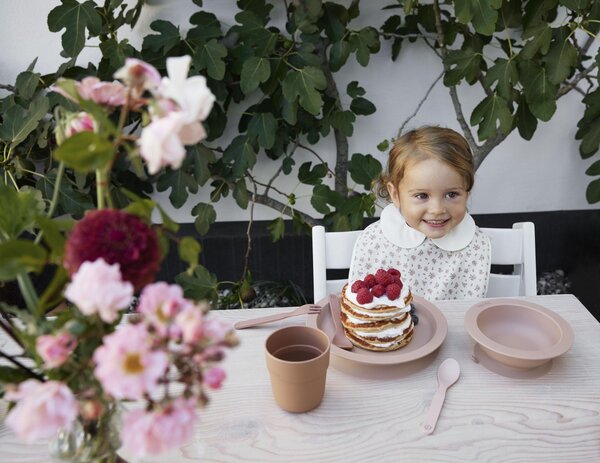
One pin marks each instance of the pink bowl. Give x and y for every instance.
(517, 333)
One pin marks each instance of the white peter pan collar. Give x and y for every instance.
(396, 230)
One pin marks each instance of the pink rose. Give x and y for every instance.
(160, 303)
(41, 410)
(126, 366)
(214, 377)
(81, 122)
(139, 75)
(155, 432)
(105, 93)
(97, 287)
(160, 144)
(216, 329)
(191, 324)
(55, 350)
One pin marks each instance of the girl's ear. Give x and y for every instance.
(393, 191)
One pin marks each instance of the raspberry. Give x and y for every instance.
(398, 281)
(382, 277)
(370, 280)
(364, 296)
(393, 291)
(357, 285)
(394, 272)
(378, 290)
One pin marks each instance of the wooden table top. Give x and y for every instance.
(487, 417)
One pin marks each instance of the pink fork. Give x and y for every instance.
(302, 310)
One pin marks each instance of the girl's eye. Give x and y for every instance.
(453, 194)
(421, 196)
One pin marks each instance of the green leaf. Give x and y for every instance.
(202, 158)
(526, 122)
(27, 83)
(287, 165)
(576, 5)
(323, 196)
(180, 182)
(562, 56)
(312, 176)
(338, 55)
(362, 106)
(116, 52)
(354, 90)
(201, 285)
(52, 234)
(263, 127)
(592, 193)
(241, 154)
(10, 375)
(189, 250)
(343, 121)
(85, 152)
(207, 27)
(290, 111)
(589, 125)
(70, 201)
(594, 169)
(20, 256)
(492, 113)
(303, 85)
(255, 71)
(205, 216)
(506, 74)
(334, 20)
(364, 169)
(365, 43)
(210, 57)
(482, 13)
(167, 38)
(538, 12)
(277, 229)
(18, 122)
(74, 17)
(541, 37)
(540, 93)
(240, 193)
(463, 64)
(19, 210)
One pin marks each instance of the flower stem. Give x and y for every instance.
(100, 183)
(21, 366)
(28, 292)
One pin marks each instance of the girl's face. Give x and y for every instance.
(431, 197)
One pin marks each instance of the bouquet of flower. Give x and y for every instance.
(70, 372)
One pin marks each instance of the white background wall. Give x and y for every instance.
(543, 174)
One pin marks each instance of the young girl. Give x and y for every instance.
(427, 233)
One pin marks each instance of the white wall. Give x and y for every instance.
(543, 174)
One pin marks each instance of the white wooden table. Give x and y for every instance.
(486, 418)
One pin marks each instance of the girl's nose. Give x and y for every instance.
(437, 206)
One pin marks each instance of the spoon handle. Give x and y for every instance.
(434, 410)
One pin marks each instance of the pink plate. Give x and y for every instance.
(517, 333)
(429, 334)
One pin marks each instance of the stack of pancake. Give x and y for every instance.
(380, 325)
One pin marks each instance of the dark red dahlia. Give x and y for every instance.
(117, 237)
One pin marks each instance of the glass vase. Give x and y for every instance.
(88, 441)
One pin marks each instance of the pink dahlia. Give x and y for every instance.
(118, 238)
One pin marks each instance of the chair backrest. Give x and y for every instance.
(510, 246)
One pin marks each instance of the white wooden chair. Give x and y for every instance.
(510, 246)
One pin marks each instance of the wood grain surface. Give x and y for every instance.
(486, 417)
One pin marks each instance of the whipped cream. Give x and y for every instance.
(393, 331)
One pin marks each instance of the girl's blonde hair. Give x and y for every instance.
(428, 142)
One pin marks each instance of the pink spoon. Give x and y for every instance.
(448, 373)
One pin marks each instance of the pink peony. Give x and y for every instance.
(214, 377)
(160, 145)
(55, 350)
(41, 410)
(118, 238)
(126, 366)
(80, 122)
(160, 303)
(139, 75)
(154, 432)
(191, 324)
(97, 287)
